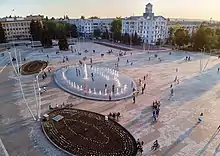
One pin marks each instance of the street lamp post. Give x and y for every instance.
(35, 93)
(22, 91)
(144, 44)
(39, 104)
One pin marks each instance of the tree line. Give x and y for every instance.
(49, 29)
(204, 38)
(2, 34)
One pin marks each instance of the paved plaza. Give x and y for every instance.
(176, 130)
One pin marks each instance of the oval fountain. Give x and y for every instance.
(94, 82)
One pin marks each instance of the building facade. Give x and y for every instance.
(86, 27)
(149, 27)
(18, 28)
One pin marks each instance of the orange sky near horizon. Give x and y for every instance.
(192, 9)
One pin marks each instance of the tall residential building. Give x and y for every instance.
(18, 28)
(149, 27)
(86, 27)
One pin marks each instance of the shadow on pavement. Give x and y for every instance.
(180, 139)
(217, 150)
(206, 146)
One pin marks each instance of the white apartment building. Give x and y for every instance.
(18, 28)
(86, 27)
(149, 27)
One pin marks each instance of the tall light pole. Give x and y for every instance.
(22, 91)
(35, 93)
(39, 104)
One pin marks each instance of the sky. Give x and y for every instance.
(191, 9)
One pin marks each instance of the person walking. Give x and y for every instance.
(154, 115)
(200, 117)
(133, 98)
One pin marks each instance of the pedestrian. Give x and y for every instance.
(144, 85)
(139, 82)
(133, 99)
(127, 61)
(142, 90)
(157, 111)
(110, 97)
(154, 115)
(171, 92)
(171, 85)
(200, 117)
(175, 79)
(113, 88)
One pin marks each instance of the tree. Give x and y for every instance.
(181, 37)
(73, 30)
(94, 17)
(97, 33)
(46, 39)
(116, 28)
(159, 42)
(204, 38)
(35, 30)
(82, 17)
(105, 34)
(136, 40)
(2, 34)
(46, 18)
(63, 44)
(126, 38)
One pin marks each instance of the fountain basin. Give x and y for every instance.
(95, 84)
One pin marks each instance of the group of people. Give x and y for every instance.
(156, 109)
(187, 58)
(114, 116)
(65, 58)
(44, 75)
(140, 146)
(142, 85)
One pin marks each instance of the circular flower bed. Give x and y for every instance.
(33, 67)
(85, 133)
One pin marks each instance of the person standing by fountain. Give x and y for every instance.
(134, 98)
(109, 97)
(113, 89)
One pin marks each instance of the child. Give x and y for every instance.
(200, 117)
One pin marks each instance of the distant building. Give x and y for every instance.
(86, 27)
(189, 25)
(149, 27)
(35, 17)
(18, 28)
